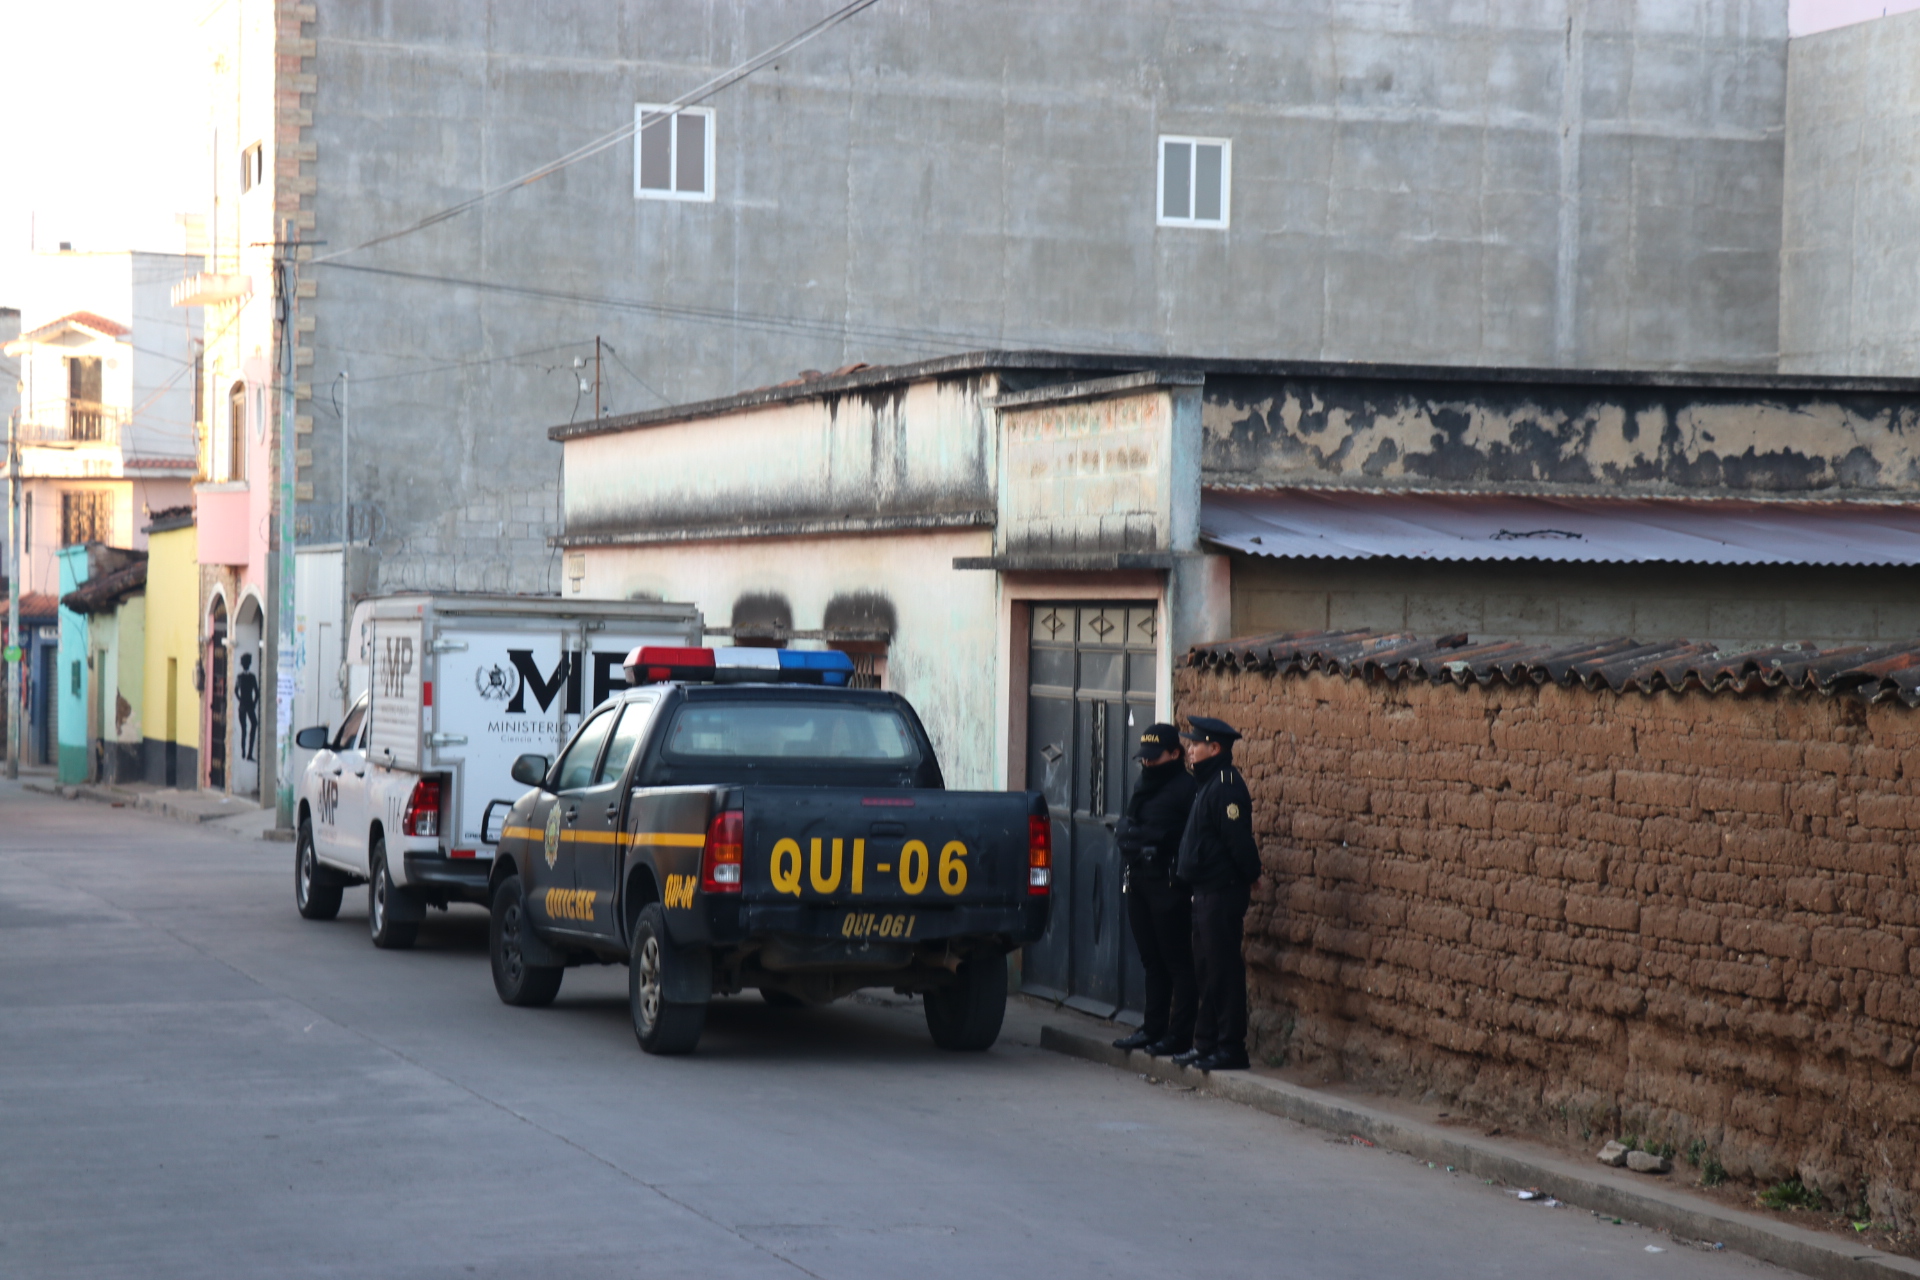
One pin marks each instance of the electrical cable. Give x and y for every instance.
(924, 339)
(602, 143)
(636, 377)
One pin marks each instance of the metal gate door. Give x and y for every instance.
(1090, 694)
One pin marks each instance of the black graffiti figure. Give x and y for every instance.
(246, 701)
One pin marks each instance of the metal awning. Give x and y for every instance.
(1325, 524)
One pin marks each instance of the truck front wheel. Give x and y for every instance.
(389, 934)
(519, 983)
(967, 1015)
(315, 894)
(660, 1025)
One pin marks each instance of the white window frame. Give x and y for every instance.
(1160, 182)
(640, 110)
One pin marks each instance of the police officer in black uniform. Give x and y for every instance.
(1219, 861)
(1160, 910)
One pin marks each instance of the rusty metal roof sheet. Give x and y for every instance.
(1348, 525)
(1875, 673)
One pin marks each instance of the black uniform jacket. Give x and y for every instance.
(1149, 833)
(1217, 851)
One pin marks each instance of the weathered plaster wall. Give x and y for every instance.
(1641, 438)
(921, 453)
(1731, 605)
(1564, 184)
(943, 651)
(1088, 475)
(1850, 261)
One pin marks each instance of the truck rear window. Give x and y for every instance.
(790, 731)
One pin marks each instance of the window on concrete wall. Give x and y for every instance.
(83, 398)
(253, 167)
(86, 516)
(1196, 181)
(672, 153)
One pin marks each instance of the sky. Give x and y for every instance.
(125, 77)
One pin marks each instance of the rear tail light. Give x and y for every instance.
(1039, 855)
(422, 816)
(720, 861)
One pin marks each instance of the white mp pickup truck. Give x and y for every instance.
(458, 685)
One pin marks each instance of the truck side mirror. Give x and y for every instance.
(311, 739)
(530, 770)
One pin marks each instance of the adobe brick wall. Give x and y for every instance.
(1678, 915)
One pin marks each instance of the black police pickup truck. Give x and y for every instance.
(739, 818)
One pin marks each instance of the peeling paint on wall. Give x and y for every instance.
(1644, 439)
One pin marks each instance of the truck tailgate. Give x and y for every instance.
(885, 848)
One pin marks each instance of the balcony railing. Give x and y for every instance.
(72, 422)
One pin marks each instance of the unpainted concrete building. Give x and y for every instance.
(1558, 184)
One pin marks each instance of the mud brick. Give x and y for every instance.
(1602, 912)
(1772, 937)
(1869, 949)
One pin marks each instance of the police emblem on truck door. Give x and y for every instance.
(552, 847)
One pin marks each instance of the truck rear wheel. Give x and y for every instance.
(966, 1016)
(315, 894)
(389, 934)
(519, 983)
(660, 1026)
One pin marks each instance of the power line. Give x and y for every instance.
(464, 364)
(926, 339)
(602, 143)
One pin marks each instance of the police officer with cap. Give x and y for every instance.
(1219, 861)
(1159, 909)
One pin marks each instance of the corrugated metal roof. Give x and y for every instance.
(1352, 525)
(1875, 673)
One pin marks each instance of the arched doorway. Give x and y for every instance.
(247, 692)
(216, 668)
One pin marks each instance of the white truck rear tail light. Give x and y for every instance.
(422, 816)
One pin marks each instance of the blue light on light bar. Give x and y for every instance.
(834, 667)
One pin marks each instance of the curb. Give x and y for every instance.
(146, 803)
(1662, 1207)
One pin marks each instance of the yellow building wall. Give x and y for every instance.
(173, 634)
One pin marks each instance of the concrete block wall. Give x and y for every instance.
(1685, 916)
(1849, 261)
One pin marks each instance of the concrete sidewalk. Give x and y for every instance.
(208, 809)
(1635, 1197)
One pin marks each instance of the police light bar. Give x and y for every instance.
(652, 664)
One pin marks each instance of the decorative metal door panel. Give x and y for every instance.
(1091, 678)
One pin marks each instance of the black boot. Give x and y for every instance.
(1168, 1048)
(1138, 1040)
(1190, 1057)
(1224, 1060)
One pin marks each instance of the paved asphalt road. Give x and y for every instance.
(195, 1082)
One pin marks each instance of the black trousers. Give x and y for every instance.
(1162, 919)
(1218, 918)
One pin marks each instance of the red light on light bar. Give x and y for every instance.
(652, 655)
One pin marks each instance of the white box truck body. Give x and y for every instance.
(458, 685)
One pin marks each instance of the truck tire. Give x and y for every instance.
(519, 983)
(315, 893)
(389, 934)
(660, 1026)
(967, 1015)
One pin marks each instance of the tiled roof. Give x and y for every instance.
(39, 606)
(1874, 673)
(97, 595)
(81, 319)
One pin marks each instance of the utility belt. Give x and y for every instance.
(1148, 864)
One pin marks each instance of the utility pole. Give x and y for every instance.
(596, 375)
(13, 594)
(346, 529)
(276, 710)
